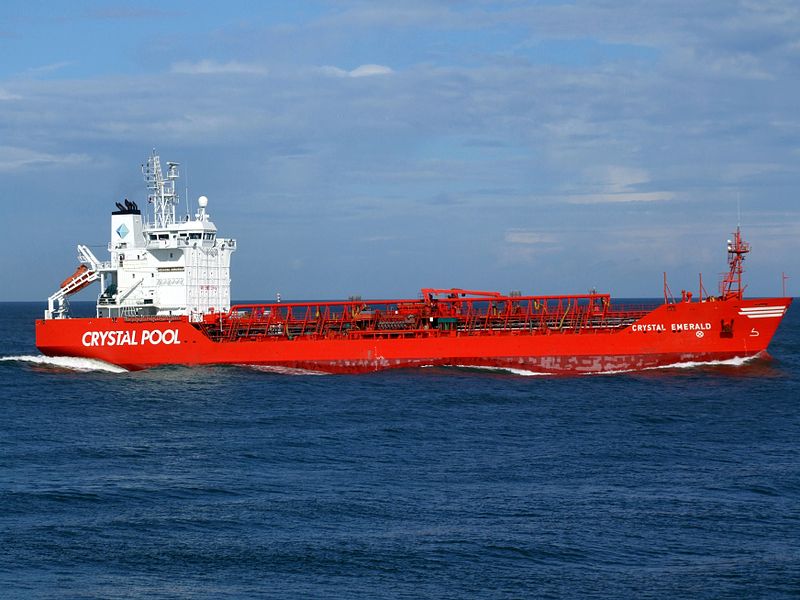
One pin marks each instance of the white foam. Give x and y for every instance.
(736, 361)
(284, 370)
(522, 372)
(72, 363)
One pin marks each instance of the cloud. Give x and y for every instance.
(739, 172)
(521, 236)
(51, 68)
(621, 197)
(694, 120)
(361, 71)
(379, 238)
(525, 246)
(17, 159)
(619, 184)
(371, 16)
(212, 67)
(128, 13)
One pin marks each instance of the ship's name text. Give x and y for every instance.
(130, 338)
(674, 327)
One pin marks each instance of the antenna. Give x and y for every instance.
(186, 191)
(738, 209)
(161, 192)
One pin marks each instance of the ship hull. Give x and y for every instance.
(670, 334)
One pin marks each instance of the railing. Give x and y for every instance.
(443, 313)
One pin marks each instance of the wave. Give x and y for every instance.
(521, 372)
(283, 370)
(70, 363)
(736, 361)
(729, 362)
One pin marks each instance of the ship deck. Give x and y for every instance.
(436, 313)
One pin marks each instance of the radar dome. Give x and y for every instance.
(202, 201)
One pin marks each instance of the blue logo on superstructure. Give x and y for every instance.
(122, 231)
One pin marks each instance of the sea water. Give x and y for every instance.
(245, 482)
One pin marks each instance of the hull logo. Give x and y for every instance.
(153, 337)
(699, 333)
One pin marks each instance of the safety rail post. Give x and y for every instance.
(305, 321)
(249, 323)
(274, 318)
(323, 327)
(543, 315)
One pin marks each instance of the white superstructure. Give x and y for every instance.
(159, 267)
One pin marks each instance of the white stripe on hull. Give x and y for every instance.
(762, 312)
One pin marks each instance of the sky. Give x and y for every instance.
(376, 147)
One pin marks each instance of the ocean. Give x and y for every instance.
(235, 482)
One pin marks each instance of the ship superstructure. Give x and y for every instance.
(165, 299)
(159, 265)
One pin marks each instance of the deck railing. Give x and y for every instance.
(451, 314)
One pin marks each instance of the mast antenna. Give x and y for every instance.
(738, 209)
(161, 191)
(731, 285)
(186, 189)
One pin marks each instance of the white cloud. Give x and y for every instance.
(51, 68)
(5, 95)
(360, 71)
(369, 70)
(622, 179)
(738, 172)
(525, 246)
(379, 238)
(521, 236)
(213, 67)
(17, 159)
(618, 184)
(620, 197)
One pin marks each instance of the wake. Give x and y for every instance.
(730, 362)
(278, 370)
(69, 363)
(736, 361)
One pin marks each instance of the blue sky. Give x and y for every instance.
(374, 148)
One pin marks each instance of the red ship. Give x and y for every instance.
(165, 299)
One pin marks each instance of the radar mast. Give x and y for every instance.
(161, 192)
